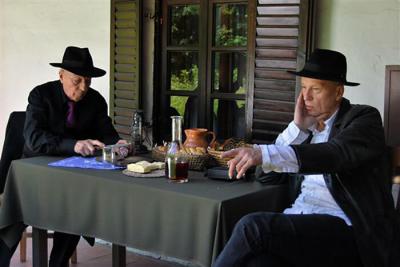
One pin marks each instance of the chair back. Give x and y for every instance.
(396, 175)
(13, 144)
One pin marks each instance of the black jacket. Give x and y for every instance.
(45, 132)
(356, 170)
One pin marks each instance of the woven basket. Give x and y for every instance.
(215, 154)
(157, 154)
(229, 144)
(196, 162)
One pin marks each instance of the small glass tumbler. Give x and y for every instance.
(182, 170)
(109, 154)
(177, 169)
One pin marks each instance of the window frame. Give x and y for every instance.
(205, 50)
(250, 53)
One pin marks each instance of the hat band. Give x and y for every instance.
(76, 64)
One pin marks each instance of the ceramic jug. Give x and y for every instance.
(196, 137)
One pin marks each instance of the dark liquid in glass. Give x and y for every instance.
(182, 170)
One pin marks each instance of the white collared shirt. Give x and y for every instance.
(315, 197)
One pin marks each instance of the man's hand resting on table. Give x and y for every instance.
(87, 147)
(243, 159)
(124, 151)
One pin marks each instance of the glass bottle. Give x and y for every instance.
(176, 164)
(136, 131)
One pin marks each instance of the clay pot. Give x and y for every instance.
(196, 137)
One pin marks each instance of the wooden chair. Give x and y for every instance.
(13, 144)
(396, 174)
(12, 150)
(23, 247)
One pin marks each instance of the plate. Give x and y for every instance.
(153, 174)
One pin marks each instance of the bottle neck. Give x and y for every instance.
(177, 129)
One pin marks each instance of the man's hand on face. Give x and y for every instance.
(301, 117)
(243, 159)
(87, 147)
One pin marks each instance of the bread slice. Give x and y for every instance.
(145, 166)
(158, 165)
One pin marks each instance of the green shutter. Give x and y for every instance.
(283, 40)
(124, 63)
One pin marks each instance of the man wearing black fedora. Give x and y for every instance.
(67, 116)
(332, 157)
(64, 117)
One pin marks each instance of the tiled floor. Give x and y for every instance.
(97, 256)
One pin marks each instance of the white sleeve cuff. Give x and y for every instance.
(292, 135)
(278, 158)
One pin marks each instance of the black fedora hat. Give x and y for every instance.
(79, 61)
(326, 64)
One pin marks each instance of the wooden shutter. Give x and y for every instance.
(125, 59)
(283, 40)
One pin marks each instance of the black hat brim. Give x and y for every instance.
(91, 72)
(320, 76)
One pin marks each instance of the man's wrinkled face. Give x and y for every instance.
(321, 97)
(75, 86)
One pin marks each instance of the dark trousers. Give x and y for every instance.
(63, 247)
(274, 239)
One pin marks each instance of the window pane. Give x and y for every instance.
(187, 107)
(229, 72)
(178, 105)
(229, 118)
(230, 25)
(183, 71)
(184, 25)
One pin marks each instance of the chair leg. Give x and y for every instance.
(22, 247)
(74, 259)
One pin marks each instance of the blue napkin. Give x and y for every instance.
(85, 163)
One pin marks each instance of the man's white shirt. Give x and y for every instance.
(315, 197)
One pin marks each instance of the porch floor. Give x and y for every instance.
(97, 256)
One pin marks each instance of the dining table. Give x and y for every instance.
(190, 221)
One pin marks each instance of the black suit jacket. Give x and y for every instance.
(45, 132)
(357, 173)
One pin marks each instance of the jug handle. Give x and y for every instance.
(213, 138)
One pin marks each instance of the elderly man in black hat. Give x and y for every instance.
(332, 156)
(65, 117)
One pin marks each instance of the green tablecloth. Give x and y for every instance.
(189, 221)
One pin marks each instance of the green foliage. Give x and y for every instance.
(179, 102)
(181, 16)
(226, 37)
(190, 10)
(187, 79)
(231, 25)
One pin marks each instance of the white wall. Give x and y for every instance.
(368, 33)
(34, 33)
